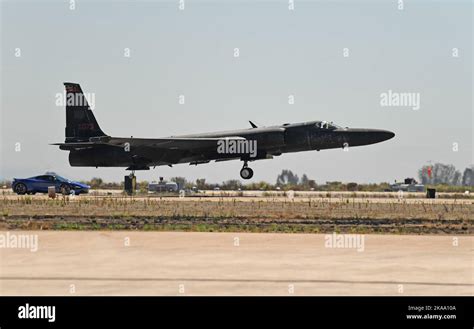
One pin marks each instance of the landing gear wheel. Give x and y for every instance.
(20, 189)
(246, 173)
(65, 189)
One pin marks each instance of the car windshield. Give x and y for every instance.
(62, 179)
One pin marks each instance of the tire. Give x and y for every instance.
(20, 189)
(246, 173)
(65, 189)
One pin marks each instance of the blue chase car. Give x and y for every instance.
(41, 183)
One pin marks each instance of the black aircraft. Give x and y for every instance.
(89, 146)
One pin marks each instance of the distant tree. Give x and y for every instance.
(232, 184)
(457, 178)
(287, 178)
(334, 186)
(304, 181)
(439, 174)
(143, 186)
(181, 181)
(6, 183)
(352, 186)
(96, 182)
(468, 176)
(201, 184)
(424, 174)
(264, 186)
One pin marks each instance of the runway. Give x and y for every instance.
(258, 196)
(177, 263)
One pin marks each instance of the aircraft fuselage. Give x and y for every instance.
(270, 141)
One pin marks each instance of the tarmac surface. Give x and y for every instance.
(264, 196)
(178, 263)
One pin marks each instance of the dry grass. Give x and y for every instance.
(317, 208)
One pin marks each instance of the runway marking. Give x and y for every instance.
(234, 280)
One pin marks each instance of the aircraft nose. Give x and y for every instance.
(383, 135)
(356, 137)
(372, 136)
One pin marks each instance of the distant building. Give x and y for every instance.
(408, 185)
(163, 186)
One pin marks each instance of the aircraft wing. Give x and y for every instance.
(173, 143)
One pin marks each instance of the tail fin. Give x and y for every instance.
(80, 121)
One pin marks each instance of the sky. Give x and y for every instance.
(336, 58)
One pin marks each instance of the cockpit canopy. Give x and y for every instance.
(326, 125)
